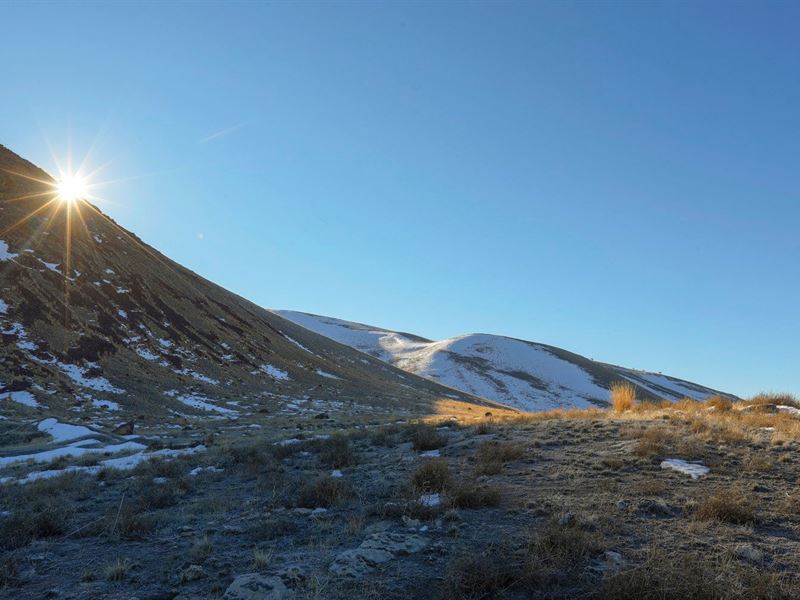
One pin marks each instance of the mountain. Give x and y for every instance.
(98, 326)
(517, 373)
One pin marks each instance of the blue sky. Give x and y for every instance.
(618, 179)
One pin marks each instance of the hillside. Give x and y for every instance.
(517, 373)
(112, 330)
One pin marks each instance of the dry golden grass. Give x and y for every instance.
(731, 505)
(676, 576)
(492, 456)
(623, 397)
(654, 441)
(719, 403)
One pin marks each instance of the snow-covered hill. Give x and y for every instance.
(514, 372)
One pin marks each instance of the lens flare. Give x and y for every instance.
(71, 188)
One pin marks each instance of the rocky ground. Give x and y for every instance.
(566, 505)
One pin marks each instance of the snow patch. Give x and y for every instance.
(275, 372)
(693, 470)
(24, 398)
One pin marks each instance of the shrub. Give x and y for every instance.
(480, 575)
(426, 437)
(493, 455)
(653, 440)
(42, 518)
(720, 403)
(623, 396)
(431, 476)
(336, 452)
(773, 398)
(472, 496)
(324, 492)
(563, 544)
(728, 506)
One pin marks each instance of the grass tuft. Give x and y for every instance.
(623, 396)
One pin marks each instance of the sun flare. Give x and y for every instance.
(71, 188)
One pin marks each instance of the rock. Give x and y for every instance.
(322, 416)
(656, 508)
(749, 553)
(124, 429)
(377, 549)
(318, 513)
(252, 586)
(293, 576)
(621, 505)
(566, 520)
(232, 530)
(430, 500)
(609, 561)
(192, 573)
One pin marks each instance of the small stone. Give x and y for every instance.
(749, 553)
(192, 573)
(566, 520)
(124, 429)
(621, 505)
(322, 416)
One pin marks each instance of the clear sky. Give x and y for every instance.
(617, 179)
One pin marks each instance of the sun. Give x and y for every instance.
(71, 188)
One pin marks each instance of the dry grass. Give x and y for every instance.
(492, 456)
(728, 506)
(323, 493)
(473, 496)
(431, 476)
(563, 545)
(262, 559)
(117, 570)
(42, 518)
(336, 452)
(653, 441)
(425, 437)
(703, 575)
(474, 576)
(719, 403)
(623, 397)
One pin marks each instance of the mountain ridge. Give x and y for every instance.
(518, 373)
